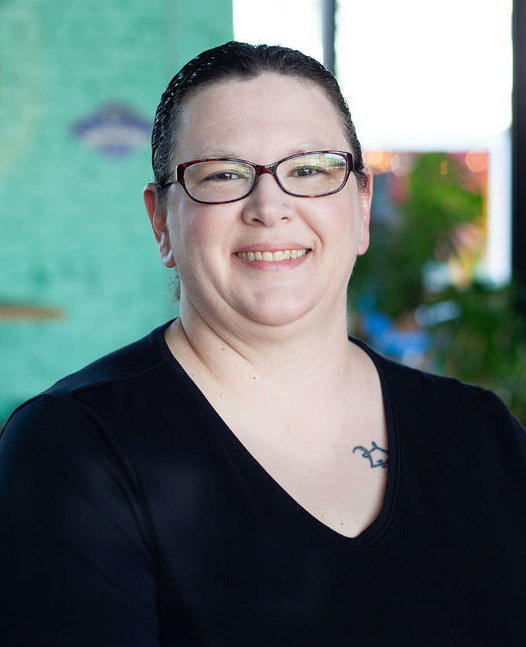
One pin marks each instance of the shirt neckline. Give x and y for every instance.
(380, 523)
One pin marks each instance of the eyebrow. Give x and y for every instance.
(223, 153)
(216, 153)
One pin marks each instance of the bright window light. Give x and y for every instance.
(408, 68)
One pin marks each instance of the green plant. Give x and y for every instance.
(438, 201)
(485, 344)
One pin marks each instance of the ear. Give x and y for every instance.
(157, 215)
(366, 196)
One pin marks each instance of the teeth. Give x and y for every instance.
(272, 257)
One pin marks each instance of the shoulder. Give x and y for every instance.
(460, 435)
(94, 396)
(71, 492)
(126, 363)
(436, 400)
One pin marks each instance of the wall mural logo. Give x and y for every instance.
(115, 130)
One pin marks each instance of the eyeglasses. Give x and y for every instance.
(305, 175)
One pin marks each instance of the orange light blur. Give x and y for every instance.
(477, 161)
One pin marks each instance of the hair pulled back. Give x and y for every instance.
(236, 60)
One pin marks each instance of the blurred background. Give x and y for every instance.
(434, 92)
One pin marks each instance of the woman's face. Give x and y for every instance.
(261, 120)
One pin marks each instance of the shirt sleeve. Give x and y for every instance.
(76, 563)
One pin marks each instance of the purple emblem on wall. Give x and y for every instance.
(115, 130)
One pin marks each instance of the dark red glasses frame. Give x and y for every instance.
(259, 169)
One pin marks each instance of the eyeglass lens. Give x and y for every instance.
(311, 174)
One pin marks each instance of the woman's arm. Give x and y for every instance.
(76, 567)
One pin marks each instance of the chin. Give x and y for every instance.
(279, 315)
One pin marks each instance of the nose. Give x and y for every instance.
(267, 204)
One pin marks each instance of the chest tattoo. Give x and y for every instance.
(377, 456)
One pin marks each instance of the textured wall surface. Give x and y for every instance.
(79, 84)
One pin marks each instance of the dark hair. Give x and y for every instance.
(235, 60)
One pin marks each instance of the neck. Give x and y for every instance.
(312, 350)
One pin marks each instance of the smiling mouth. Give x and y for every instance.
(273, 257)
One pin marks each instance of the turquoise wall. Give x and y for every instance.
(79, 270)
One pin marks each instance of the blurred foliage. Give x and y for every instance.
(434, 204)
(485, 344)
(484, 341)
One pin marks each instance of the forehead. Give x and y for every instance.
(270, 111)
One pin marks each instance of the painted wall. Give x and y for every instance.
(79, 84)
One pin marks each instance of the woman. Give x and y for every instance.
(246, 474)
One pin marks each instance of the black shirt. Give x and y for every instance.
(130, 515)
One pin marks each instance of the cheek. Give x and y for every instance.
(183, 226)
(195, 235)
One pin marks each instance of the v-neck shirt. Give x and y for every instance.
(130, 514)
